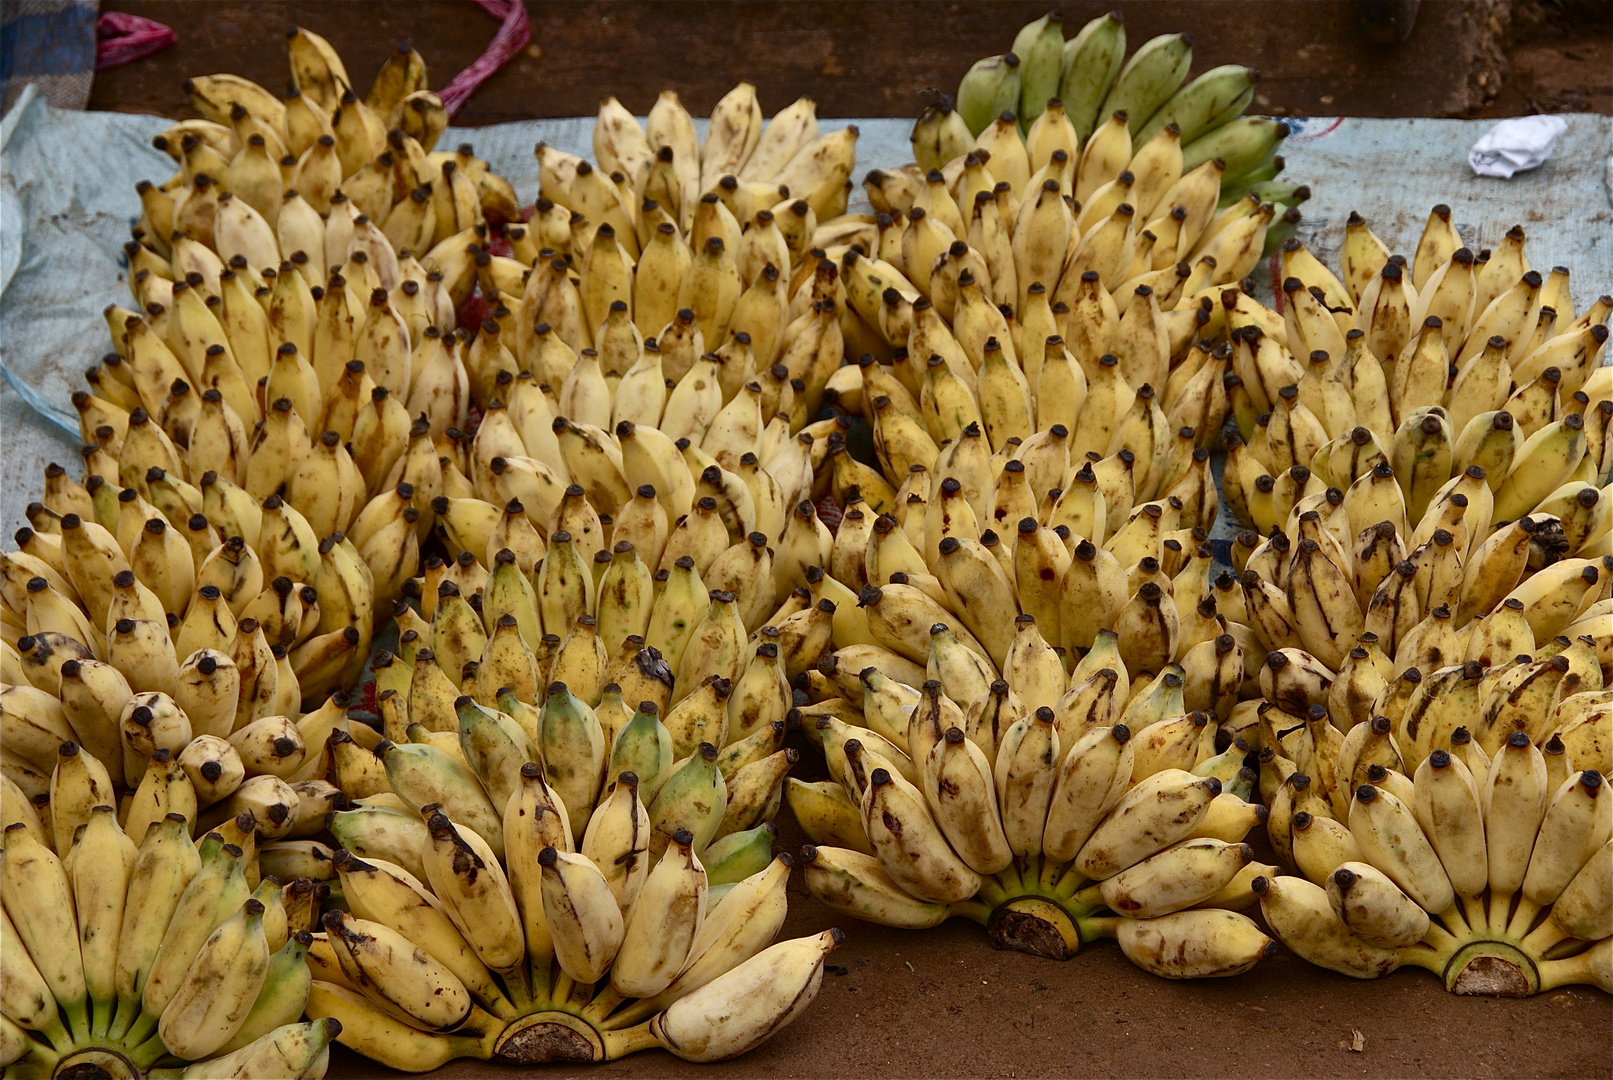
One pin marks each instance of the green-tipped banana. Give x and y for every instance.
(1040, 48)
(1218, 95)
(1154, 72)
(1092, 62)
(987, 90)
(1243, 144)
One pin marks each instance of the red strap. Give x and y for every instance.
(513, 34)
(122, 38)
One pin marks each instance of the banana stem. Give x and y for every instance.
(1474, 907)
(1545, 937)
(1070, 883)
(1048, 879)
(602, 1006)
(38, 1052)
(992, 891)
(1574, 969)
(1523, 918)
(57, 1034)
(141, 1030)
(1440, 938)
(101, 1013)
(539, 974)
(517, 987)
(476, 1044)
(1424, 957)
(560, 989)
(1089, 897)
(78, 1019)
(1012, 883)
(972, 909)
(30, 1067)
(126, 1010)
(1452, 918)
(1500, 906)
(146, 1054)
(627, 1041)
(1097, 926)
(1030, 871)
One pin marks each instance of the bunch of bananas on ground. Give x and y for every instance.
(1052, 808)
(1491, 872)
(1421, 373)
(563, 917)
(1044, 251)
(1428, 563)
(391, 387)
(1084, 95)
(661, 172)
(255, 169)
(132, 958)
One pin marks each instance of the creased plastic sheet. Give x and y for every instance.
(67, 185)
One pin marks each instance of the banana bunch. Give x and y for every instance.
(1432, 717)
(1052, 816)
(1055, 285)
(661, 172)
(1055, 93)
(201, 594)
(264, 163)
(125, 956)
(492, 910)
(1492, 873)
(1423, 373)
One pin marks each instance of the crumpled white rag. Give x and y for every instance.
(1515, 145)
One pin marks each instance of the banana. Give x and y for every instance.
(746, 1005)
(1149, 79)
(1374, 908)
(1302, 917)
(1206, 943)
(584, 922)
(218, 988)
(1150, 816)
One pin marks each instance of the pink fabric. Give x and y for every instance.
(513, 34)
(123, 38)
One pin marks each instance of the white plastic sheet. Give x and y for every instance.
(67, 201)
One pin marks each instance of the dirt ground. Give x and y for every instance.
(1463, 57)
(941, 1002)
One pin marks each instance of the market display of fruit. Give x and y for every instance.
(413, 661)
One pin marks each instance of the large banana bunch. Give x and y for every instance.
(1084, 94)
(261, 156)
(1052, 816)
(124, 956)
(1434, 584)
(1056, 258)
(1492, 874)
(493, 910)
(1456, 371)
(658, 173)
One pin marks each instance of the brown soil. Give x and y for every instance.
(1463, 58)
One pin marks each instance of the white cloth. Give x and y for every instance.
(1516, 145)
